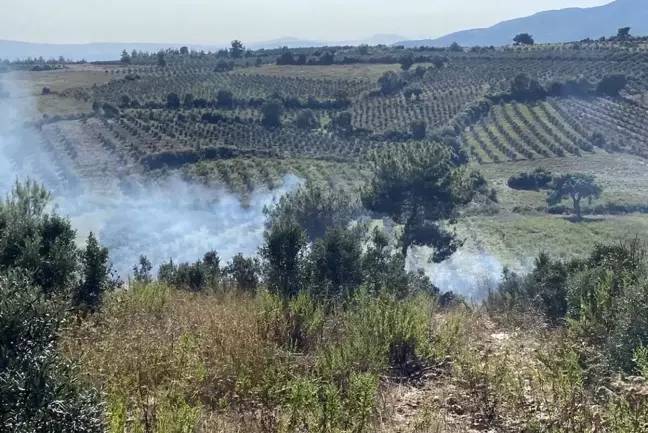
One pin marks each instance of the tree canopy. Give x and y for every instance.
(523, 39)
(576, 187)
(315, 209)
(237, 49)
(417, 185)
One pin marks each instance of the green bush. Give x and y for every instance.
(315, 209)
(543, 290)
(41, 244)
(603, 299)
(335, 263)
(201, 275)
(533, 181)
(244, 271)
(39, 392)
(282, 255)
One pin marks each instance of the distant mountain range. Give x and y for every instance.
(111, 50)
(563, 25)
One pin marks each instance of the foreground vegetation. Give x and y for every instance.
(324, 330)
(331, 337)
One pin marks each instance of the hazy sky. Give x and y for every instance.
(216, 21)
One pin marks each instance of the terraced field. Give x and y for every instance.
(228, 145)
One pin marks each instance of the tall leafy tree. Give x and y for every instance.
(624, 34)
(282, 254)
(336, 263)
(523, 39)
(406, 61)
(315, 209)
(576, 187)
(418, 186)
(161, 59)
(96, 276)
(39, 243)
(237, 49)
(272, 112)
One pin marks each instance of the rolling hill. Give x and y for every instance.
(563, 25)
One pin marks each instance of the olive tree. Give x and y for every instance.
(576, 187)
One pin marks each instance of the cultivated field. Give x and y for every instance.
(193, 117)
(325, 329)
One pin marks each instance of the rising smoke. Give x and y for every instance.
(177, 220)
(170, 219)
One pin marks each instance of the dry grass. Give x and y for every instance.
(169, 360)
(178, 362)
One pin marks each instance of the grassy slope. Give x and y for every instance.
(518, 237)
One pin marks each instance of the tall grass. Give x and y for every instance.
(170, 361)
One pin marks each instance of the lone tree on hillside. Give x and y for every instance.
(417, 185)
(576, 186)
(389, 82)
(161, 59)
(455, 47)
(624, 34)
(173, 101)
(237, 49)
(523, 39)
(418, 129)
(343, 123)
(306, 119)
(225, 98)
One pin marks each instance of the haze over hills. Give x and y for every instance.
(110, 50)
(565, 25)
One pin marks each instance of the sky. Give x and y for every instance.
(217, 21)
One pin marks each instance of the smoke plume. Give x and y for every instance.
(170, 219)
(466, 273)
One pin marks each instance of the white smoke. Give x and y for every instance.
(467, 273)
(170, 219)
(179, 220)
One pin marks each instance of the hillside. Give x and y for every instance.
(573, 24)
(272, 215)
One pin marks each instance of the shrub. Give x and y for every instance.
(272, 112)
(315, 209)
(142, 271)
(306, 120)
(603, 299)
(97, 276)
(544, 290)
(244, 271)
(41, 244)
(282, 255)
(384, 269)
(335, 263)
(197, 276)
(39, 391)
(533, 181)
